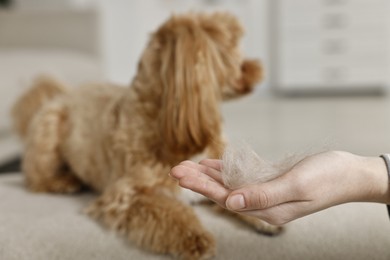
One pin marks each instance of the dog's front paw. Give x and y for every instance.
(64, 183)
(196, 245)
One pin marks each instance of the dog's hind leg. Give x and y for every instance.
(257, 224)
(154, 220)
(42, 164)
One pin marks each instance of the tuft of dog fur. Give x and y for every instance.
(243, 166)
(122, 142)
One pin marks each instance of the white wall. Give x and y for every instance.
(51, 4)
(126, 26)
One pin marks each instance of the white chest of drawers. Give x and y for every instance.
(322, 46)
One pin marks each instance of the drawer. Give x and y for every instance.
(308, 62)
(352, 75)
(333, 20)
(349, 4)
(303, 7)
(373, 34)
(355, 50)
(322, 16)
(318, 76)
(287, 77)
(366, 76)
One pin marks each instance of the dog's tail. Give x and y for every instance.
(42, 91)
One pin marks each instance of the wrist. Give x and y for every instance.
(375, 179)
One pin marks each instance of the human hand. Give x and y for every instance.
(317, 182)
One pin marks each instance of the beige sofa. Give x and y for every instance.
(46, 226)
(63, 43)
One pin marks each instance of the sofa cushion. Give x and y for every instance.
(18, 67)
(47, 226)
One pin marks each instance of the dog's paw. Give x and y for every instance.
(197, 245)
(57, 184)
(261, 226)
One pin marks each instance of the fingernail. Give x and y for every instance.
(235, 202)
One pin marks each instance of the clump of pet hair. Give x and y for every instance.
(243, 166)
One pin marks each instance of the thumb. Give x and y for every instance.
(260, 196)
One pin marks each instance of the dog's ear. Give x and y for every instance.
(190, 117)
(224, 27)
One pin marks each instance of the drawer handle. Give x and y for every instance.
(335, 21)
(333, 74)
(334, 47)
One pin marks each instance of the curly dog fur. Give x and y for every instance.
(122, 142)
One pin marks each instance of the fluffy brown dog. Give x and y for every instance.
(122, 142)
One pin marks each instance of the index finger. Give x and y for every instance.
(212, 163)
(208, 167)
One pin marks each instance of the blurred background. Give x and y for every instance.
(326, 63)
